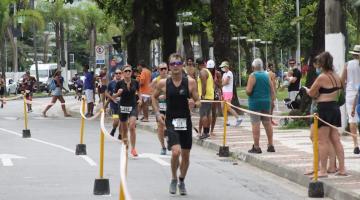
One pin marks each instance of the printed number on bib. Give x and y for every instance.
(179, 124)
(162, 106)
(125, 109)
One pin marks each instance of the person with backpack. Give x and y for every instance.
(56, 86)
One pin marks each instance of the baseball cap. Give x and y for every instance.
(210, 64)
(224, 64)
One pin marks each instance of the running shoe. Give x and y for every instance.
(270, 148)
(356, 150)
(238, 121)
(172, 188)
(134, 153)
(163, 151)
(204, 136)
(119, 137)
(255, 150)
(182, 189)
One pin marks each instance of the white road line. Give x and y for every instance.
(156, 158)
(84, 157)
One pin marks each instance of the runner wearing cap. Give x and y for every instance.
(227, 89)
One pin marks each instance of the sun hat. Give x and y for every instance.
(356, 50)
(224, 64)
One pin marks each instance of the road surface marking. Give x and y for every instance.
(6, 159)
(156, 158)
(86, 158)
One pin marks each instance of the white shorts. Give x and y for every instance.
(350, 97)
(89, 95)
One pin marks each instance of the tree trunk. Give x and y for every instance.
(169, 29)
(318, 43)
(2, 57)
(46, 47)
(13, 43)
(36, 60)
(62, 45)
(221, 30)
(189, 53)
(58, 45)
(92, 43)
(204, 43)
(222, 36)
(131, 48)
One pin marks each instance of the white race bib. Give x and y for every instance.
(162, 106)
(179, 124)
(125, 109)
(27, 91)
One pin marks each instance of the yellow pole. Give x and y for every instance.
(82, 122)
(225, 121)
(316, 147)
(101, 152)
(25, 114)
(122, 193)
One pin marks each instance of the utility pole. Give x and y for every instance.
(298, 53)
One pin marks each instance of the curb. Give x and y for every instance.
(331, 189)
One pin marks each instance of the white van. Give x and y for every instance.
(46, 71)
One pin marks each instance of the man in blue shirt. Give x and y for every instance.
(89, 91)
(114, 104)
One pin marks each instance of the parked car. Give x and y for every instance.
(11, 86)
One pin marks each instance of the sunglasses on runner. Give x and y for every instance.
(117, 72)
(127, 70)
(178, 63)
(162, 69)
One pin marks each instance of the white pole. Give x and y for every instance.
(239, 60)
(298, 35)
(181, 35)
(254, 49)
(266, 53)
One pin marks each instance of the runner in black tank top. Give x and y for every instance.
(181, 93)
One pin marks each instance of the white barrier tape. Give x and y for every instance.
(102, 126)
(211, 101)
(123, 163)
(332, 126)
(90, 118)
(11, 98)
(267, 115)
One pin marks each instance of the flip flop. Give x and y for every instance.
(319, 176)
(308, 173)
(341, 174)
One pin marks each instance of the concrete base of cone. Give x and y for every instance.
(101, 187)
(26, 133)
(224, 151)
(316, 189)
(80, 149)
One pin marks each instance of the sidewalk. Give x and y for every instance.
(292, 158)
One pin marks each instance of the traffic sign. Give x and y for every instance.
(100, 54)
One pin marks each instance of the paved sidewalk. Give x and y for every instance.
(292, 158)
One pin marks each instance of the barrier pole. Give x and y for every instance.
(81, 148)
(101, 154)
(122, 190)
(224, 150)
(25, 114)
(225, 121)
(316, 147)
(82, 122)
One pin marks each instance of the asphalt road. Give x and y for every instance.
(45, 167)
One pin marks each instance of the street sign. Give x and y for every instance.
(6, 159)
(100, 54)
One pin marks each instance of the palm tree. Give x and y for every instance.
(4, 18)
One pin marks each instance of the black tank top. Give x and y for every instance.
(177, 105)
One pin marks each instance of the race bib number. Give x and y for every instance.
(125, 109)
(162, 106)
(179, 124)
(27, 91)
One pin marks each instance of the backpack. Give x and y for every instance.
(52, 85)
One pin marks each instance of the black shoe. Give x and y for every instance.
(270, 148)
(112, 132)
(119, 137)
(356, 150)
(255, 150)
(204, 136)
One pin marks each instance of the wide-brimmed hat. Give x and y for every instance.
(356, 50)
(224, 64)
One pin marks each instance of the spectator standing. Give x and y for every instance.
(144, 80)
(89, 84)
(351, 79)
(329, 111)
(190, 69)
(272, 76)
(261, 93)
(294, 80)
(227, 89)
(216, 106)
